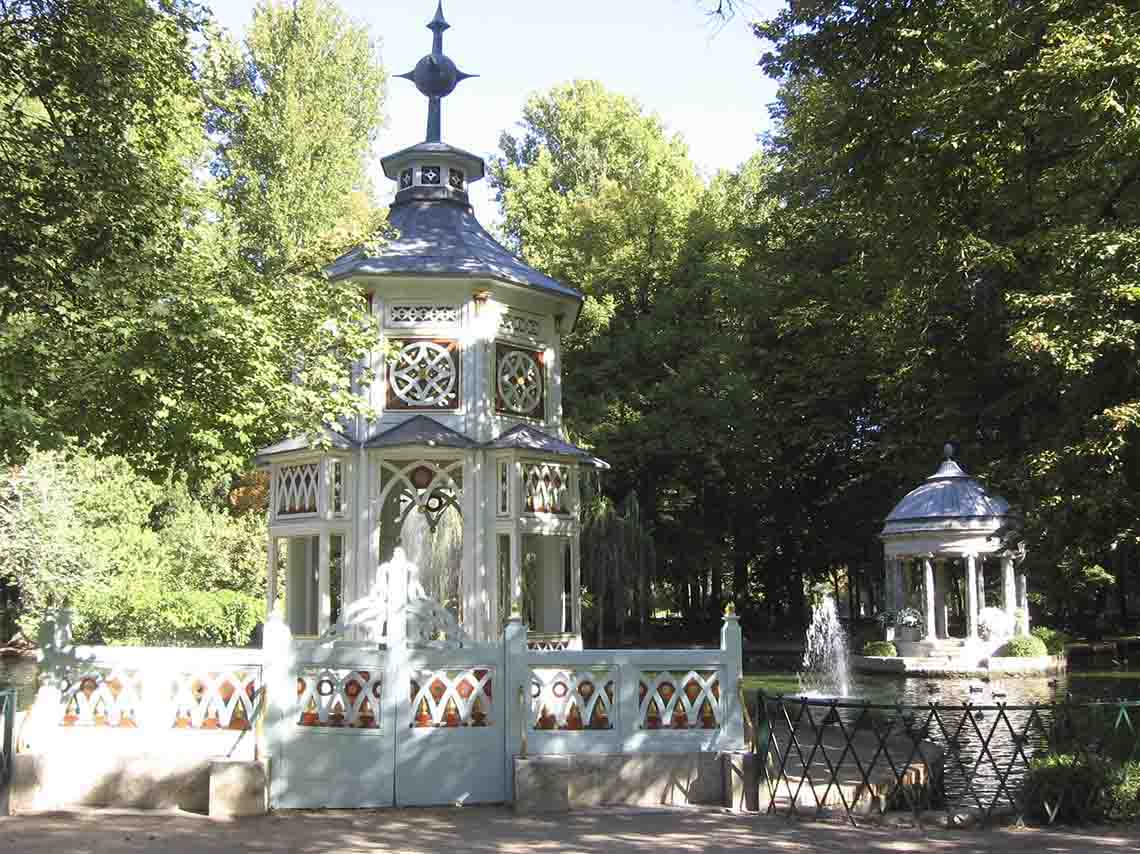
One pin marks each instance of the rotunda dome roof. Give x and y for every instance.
(949, 498)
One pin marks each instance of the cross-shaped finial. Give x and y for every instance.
(436, 75)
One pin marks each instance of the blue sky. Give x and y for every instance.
(702, 79)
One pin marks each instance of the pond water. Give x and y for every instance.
(19, 672)
(1075, 685)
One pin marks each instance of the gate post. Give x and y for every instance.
(516, 700)
(280, 687)
(731, 668)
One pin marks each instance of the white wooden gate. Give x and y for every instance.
(358, 724)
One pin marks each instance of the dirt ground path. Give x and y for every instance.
(481, 829)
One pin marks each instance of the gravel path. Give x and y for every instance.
(480, 829)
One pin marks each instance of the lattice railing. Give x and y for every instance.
(545, 488)
(221, 698)
(297, 489)
(1046, 763)
(572, 699)
(452, 698)
(676, 700)
(552, 641)
(111, 698)
(339, 697)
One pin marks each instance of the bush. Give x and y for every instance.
(1081, 788)
(880, 648)
(1025, 646)
(145, 612)
(1054, 640)
(1066, 788)
(1124, 792)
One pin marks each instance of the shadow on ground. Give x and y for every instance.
(497, 829)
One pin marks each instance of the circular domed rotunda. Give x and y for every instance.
(941, 543)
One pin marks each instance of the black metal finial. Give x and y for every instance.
(436, 75)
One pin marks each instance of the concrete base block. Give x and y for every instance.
(47, 782)
(555, 783)
(238, 788)
(741, 784)
(542, 784)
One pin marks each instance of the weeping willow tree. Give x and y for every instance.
(617, 562)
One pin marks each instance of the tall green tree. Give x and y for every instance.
(295, 111)
(598, 193)
(961, 185)
(177, 317)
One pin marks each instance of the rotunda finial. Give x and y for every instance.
(436, 76)
(948, 450)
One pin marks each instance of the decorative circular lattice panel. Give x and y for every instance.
(424, 374)
(520, 381)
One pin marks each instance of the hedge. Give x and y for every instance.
(880, 648)
(1026, 646)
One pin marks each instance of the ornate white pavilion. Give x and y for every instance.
(467, 468)
(946, 554)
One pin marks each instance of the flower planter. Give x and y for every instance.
(907, 633)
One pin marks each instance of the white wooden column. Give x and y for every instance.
(516, 571)
(576, 584)
(271, 576)
(930, 632)
(324, 599)
(971, 597)
(1008, 592)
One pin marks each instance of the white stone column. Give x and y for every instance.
(971, 597)
(1023, 598)
(930, 632)
(1008, 591)
(899, 584)
(981, 583)
(941, 608)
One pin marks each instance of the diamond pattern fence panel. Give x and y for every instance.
(1039, 763)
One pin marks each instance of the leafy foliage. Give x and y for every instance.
(138, 560)
(1054, 640)
(880, 648)
(1024, 646)
(180, 320)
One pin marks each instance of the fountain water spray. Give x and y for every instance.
(825, 653)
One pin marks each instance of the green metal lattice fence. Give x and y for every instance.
(1045, 763)
(7, 722)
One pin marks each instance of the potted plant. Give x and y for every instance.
(908, 624)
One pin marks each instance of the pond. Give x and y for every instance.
(19, 672)
(1075, 685)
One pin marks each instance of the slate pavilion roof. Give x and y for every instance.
(949, 498)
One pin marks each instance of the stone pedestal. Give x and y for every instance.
(238, 788)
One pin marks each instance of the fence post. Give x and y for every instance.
(56, 657)
(516, 700)
(731, 668)
(280, 686)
